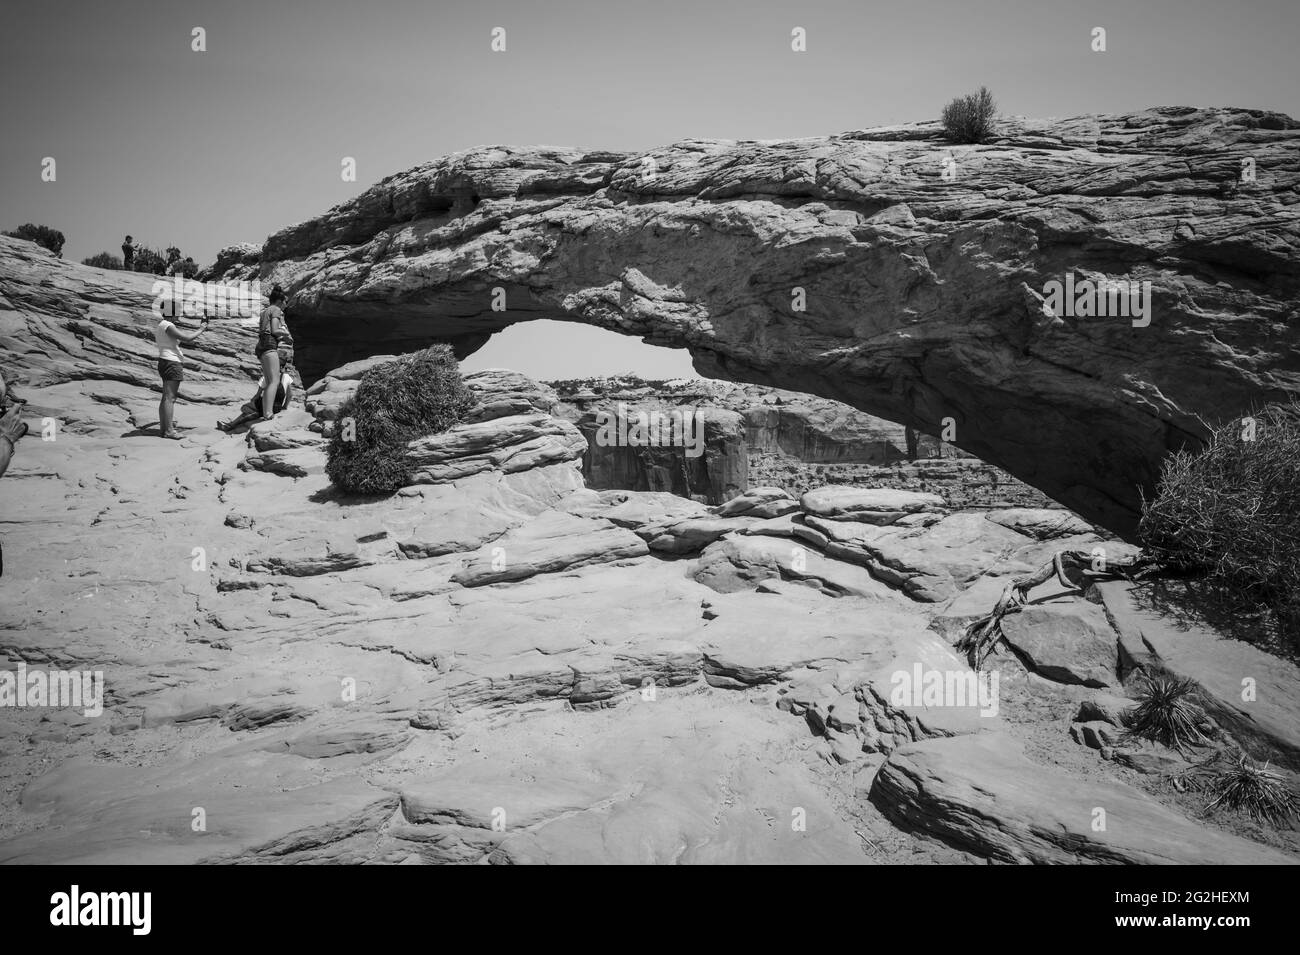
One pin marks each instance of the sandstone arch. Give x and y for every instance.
(923, 296)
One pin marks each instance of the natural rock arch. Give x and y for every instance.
(883, 268)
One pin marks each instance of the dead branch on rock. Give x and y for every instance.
(1075, 569)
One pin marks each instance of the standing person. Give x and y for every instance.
(128, 255)
(271, 332)
(171, 369)
(12, 429)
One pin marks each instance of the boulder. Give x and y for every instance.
(981, 791)
(502, 393)
(1066, 640)
(868, 505)
(739, 563)
(552, 542)
(759, 502)
(1104, 707)
(513, 443)
(637, 509)
(930, 562)
(692, 534)
(449, 518)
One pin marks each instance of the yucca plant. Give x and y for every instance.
(1167, 713)
(1256, 789)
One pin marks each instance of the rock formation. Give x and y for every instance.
(738, 424)
(710, 462)
(884, 268)
(500, 664)
(784, 439)
(238, 262)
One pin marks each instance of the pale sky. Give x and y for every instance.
(205, 149)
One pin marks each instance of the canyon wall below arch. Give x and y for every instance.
(885, 268)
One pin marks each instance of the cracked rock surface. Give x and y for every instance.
(501, 665)
(885, 268)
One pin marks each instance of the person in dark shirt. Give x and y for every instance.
(128, 255)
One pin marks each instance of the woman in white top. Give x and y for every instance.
(171, 370)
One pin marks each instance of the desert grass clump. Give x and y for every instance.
(969, 119)
(1254, 788)
(395, 403)
(1229, 515)
(1166, 712)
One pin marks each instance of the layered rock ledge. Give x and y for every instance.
(885, 268)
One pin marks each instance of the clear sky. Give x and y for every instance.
(205, 149)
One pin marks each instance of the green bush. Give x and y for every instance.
(148, 260)
(1229, 515)
(103, 260)
(42, 235)
(395, 403)
(969, 119)
(160, 263)
(186, 267)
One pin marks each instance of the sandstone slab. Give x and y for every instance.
(1248, 692)
(1069, 641)
(552, 542)
(981, 791)
(868, 505)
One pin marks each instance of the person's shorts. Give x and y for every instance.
(170, 370)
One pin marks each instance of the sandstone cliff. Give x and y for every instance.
(884, 268)
(629, 676)
(760, 436)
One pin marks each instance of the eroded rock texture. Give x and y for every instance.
(922, 294)
(627, 676)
